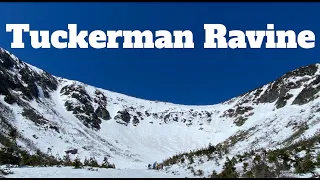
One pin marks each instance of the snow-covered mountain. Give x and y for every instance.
(53, 114)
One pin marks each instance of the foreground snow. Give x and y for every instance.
(70, 172)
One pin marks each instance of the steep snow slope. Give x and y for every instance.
(55, 114)
(132, 132)
(274, 116)
(126, 145)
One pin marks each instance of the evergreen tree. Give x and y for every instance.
(306, 165)
(105, 163)
(66, 160)
(214, 174)
(77, 163)
(229, 170)
(318, 159)
(262, 170)
(86, 162)
(93, 162)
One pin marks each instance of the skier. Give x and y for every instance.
(160, 166)
(154, 165)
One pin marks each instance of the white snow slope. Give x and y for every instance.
(164, 129)
(69, 172)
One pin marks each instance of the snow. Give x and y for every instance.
(133, 147)
(70, 172)
(35, 69)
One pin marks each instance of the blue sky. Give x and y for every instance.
(184, 76)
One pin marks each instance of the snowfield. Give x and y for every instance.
(69, 172)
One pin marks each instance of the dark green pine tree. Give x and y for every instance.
(229, 170)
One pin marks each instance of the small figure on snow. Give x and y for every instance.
(154, 165)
